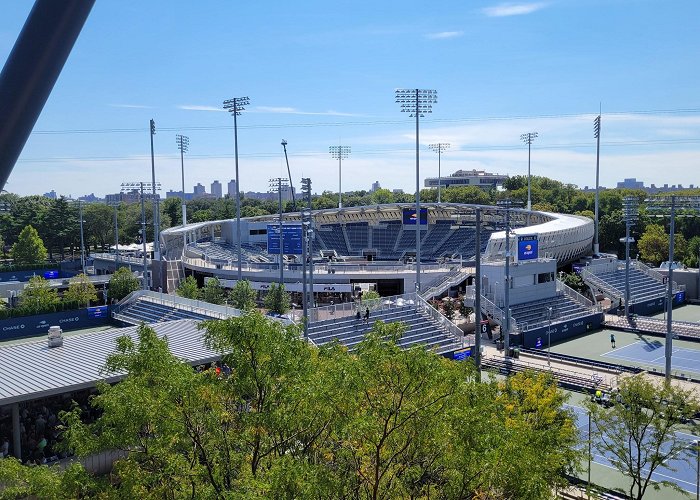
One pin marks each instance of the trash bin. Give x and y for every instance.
(516, 352)
(511, 352)
(499, 345)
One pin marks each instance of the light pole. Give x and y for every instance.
(82, 238)
(116, 234)
(277, 185)
(439, 148)
(183, 144)
(156, 202)
(417, 102)
(528, 139)
(309, 237)
(339, 153)
(696, 449)
(549, 337)
(507, 203)
(235, 106)
(477, 296)
(596, 134)
(130, 187)
(629, 206)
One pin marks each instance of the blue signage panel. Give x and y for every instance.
(538, 343)
(98, 312)
(409, 216)
(50, 275)
(527, 247)
(291, 237)
(462, 354)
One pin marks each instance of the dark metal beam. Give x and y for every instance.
(32, 69)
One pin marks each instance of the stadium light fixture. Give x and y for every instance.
(596, 134)
(339, 153)
(528, 139)
(277, 185)
(128, 187)
(439, 148)
(417, 102)
(183, 144)
(156, 203)
(630, 208)
(235, 106)
(661, 206)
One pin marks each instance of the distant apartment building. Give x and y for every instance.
(216, 189)
(231, 188)
(51, 195)
(179, 194)
(630, 183)
(89, 198)
(272, 196)
(478, 178)
(133, 196)
(375, 187)
(199, 190)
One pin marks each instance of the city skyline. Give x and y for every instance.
(500, 70)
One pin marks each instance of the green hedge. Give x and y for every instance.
(18, 312)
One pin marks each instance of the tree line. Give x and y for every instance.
(57, 221)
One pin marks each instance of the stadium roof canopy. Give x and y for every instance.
(32, 370)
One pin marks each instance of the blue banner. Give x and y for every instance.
(527, 247)
(98, 312)
(291, 236)
(409, 216)
(30, 326)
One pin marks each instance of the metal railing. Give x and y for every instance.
(181, 303)
(123, 259)
(451, 279)
(575, 296)
(591, 278)
(491, 309)
(455, 332)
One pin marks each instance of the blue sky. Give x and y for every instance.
(324, 73)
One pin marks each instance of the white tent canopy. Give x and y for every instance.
(134, 247)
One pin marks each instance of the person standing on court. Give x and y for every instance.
(366, 315)
(612, 340)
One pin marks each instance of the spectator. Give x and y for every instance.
(366, 315)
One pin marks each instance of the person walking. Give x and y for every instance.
(612, 340)
(366, 315)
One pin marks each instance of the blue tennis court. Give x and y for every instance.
(683, 475)
(653, 352)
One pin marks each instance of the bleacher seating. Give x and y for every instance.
(419, 329)
(332, 238)
(358, 236)
(384, 239)
(146, 311)
(225, 252)
(537, 312)
(642, 286)
(436, 234)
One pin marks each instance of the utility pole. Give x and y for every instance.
(235, 106)
(82, 238)
(596, 134)
(477, 296)
(528, 139)
(277, 185)
(630, 208)
(339, 153)
(156, 209)
(306, 191)
(417, 102)
(129, 187)
(439, 148)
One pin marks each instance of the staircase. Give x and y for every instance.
(175, 273)
(424, 325)
(453, 278)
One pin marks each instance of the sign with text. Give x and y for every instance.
(98, 312)
(527, 247)
(291, 239)
(409, 216)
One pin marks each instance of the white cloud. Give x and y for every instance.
(442, 35)
(512, 9)
(286, 110)
(133, 106)
(198, 107)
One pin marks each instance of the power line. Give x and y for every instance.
(363, 152)
(365, 122)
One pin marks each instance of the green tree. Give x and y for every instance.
(81, 291)
(371, 295)
(213, 292)
(188, 288)
(448, 309)
(99, 225)
(653, 244)
(277, 299)
(122, 283)
(51, 483)
(29, 249)
(574, 280)
(242, 296)
(642, 431)
(38, 296)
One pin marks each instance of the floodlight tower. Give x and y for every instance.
(183, 144)
(439, 148)
(235, 106)
(630, 208)
(309, 238)
(82, 238)
(278, 185)
(596, 134)
(528, 139)
(141, 186)
(417, 102)
(339, 153)
(156, 199)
